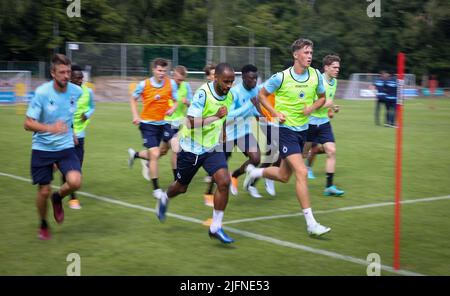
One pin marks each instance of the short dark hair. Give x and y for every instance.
(181, 70)
(300, 43)
(60, 59)
(249, 68)
(330, 59)
(207, 69)
(76, 68)
(159, 62)
(220, 68)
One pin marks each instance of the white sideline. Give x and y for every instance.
(242, 232)
(374, 205)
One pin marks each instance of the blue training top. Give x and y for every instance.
(48, 106)
(241, 112)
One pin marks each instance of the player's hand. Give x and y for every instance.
(222, 112)
(185, 101)
(330, 113)
(136, 120)
(335, 108)
(170, 111)
(75, 141)
(255, 101)
(281, 117)
(58, 127)
(83, 117)
(307, 110)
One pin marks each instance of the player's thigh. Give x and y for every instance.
(175, 144)
(213, 162)
(42, 167)
(69, 165)
(296, 164)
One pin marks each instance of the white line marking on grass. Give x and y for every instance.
(113, 201)
(241, 232)
(374, 205)
(317, 251)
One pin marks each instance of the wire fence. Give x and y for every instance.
(125, 59)
(115, 67)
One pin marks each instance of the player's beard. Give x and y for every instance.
(223, 91)
(61, 84)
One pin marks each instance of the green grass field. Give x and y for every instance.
(127, 239)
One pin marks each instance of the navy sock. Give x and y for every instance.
(155, 183)
(210, 188)
(236, 174)
(56, 196)
(44, 224)
(330, 179)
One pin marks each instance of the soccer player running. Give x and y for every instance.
(156, 92)
(320, 130)
(169, 139)
(81, 119)
(295, 90)
(239, 128)
(200, 139)
(50, 116)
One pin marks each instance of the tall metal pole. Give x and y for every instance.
(210, 34)
(251, 43)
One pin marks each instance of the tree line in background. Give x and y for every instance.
(34, 30)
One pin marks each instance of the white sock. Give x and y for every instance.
(217, 221)
(164, 198)
(309, 217)
(257, 173)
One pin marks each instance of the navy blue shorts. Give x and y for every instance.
(188, 164)
(170, 131)
(79, 149)
(246, 144)
(42, 164)
(291, 142)
(151, 134)
(320, 133)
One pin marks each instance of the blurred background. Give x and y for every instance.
(117, 233)
(367, 35)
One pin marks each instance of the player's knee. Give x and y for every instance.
(301, 173)
(182, 189)
(255, 160)
(73, 179)
(284, 178)
(155, 154)
(163, 151)
(331, 151)
(223, 183)
(74, 184)
(45, 191)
